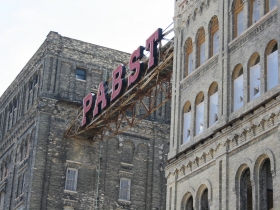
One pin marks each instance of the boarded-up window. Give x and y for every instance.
(255, 84)
(190, 63)
(202, 53)
(272, 4)
(187, 127)
(238, 93)
(255, 11)
(213, 109)
(216, 43)
(272, 70)
(199, 118)
(240, 23)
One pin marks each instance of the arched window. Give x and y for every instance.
(189, 203)
(255, 76)
(214, 36)
(238, 18)
(271, 65)
(201, 47)
(213, 103)
(204, 204)
(246, 190)
(199, 124)
(237, 87)
(266, 186)
(255, 12)
(270, 5)
(187, 122)
(189, 58)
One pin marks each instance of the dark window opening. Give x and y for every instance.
(80, 74)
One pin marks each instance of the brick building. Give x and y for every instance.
(224, 137)
(40, 169)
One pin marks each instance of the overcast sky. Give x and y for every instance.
(117, 24)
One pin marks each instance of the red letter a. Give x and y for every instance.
(102, 100)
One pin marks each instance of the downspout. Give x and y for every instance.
(98, 176)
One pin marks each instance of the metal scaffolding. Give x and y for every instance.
(136, 103)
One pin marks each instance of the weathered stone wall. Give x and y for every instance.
(36, 110)
(243, 139)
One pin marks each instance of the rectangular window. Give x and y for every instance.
(216, 43)
(272, 70)
(238, 92)
(190, 63)
(202, 53)
(80, 74)
(124, 189)
(213, 114)
(256, 11)
(2, 197)
(240, 23)
(272, 4)
(187, 127)
(71, 179)
(199, 118)
(255, 83)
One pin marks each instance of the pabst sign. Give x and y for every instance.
(94, 104)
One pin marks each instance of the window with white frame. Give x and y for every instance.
(213, 109)
(201, 46)
(71, 179)
(238, 90)
(255, 11)
(214, 36)
(187, 122)
(272, 4)
(255, 83)
(125, 189)
(189, 51)
(199, 125)
(272, 67)
(239, 17)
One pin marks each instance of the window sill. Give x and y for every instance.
(252, 27)
(70, 191)
(124, 202)
(201, 70)
(80, 80)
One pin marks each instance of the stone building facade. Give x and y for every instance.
(40, 169)
(224, 138)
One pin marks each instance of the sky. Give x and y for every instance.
(117, 24)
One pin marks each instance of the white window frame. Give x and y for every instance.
(199, 126)
(271, 6)
(213, 108)
(190, 63)
(216, 42)
(255, 82)
(238, 98)
(187, 127)
(202, 51)
(240, 22)
(256, 11)
(272, 70)
(127, 193)
(74, 189)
